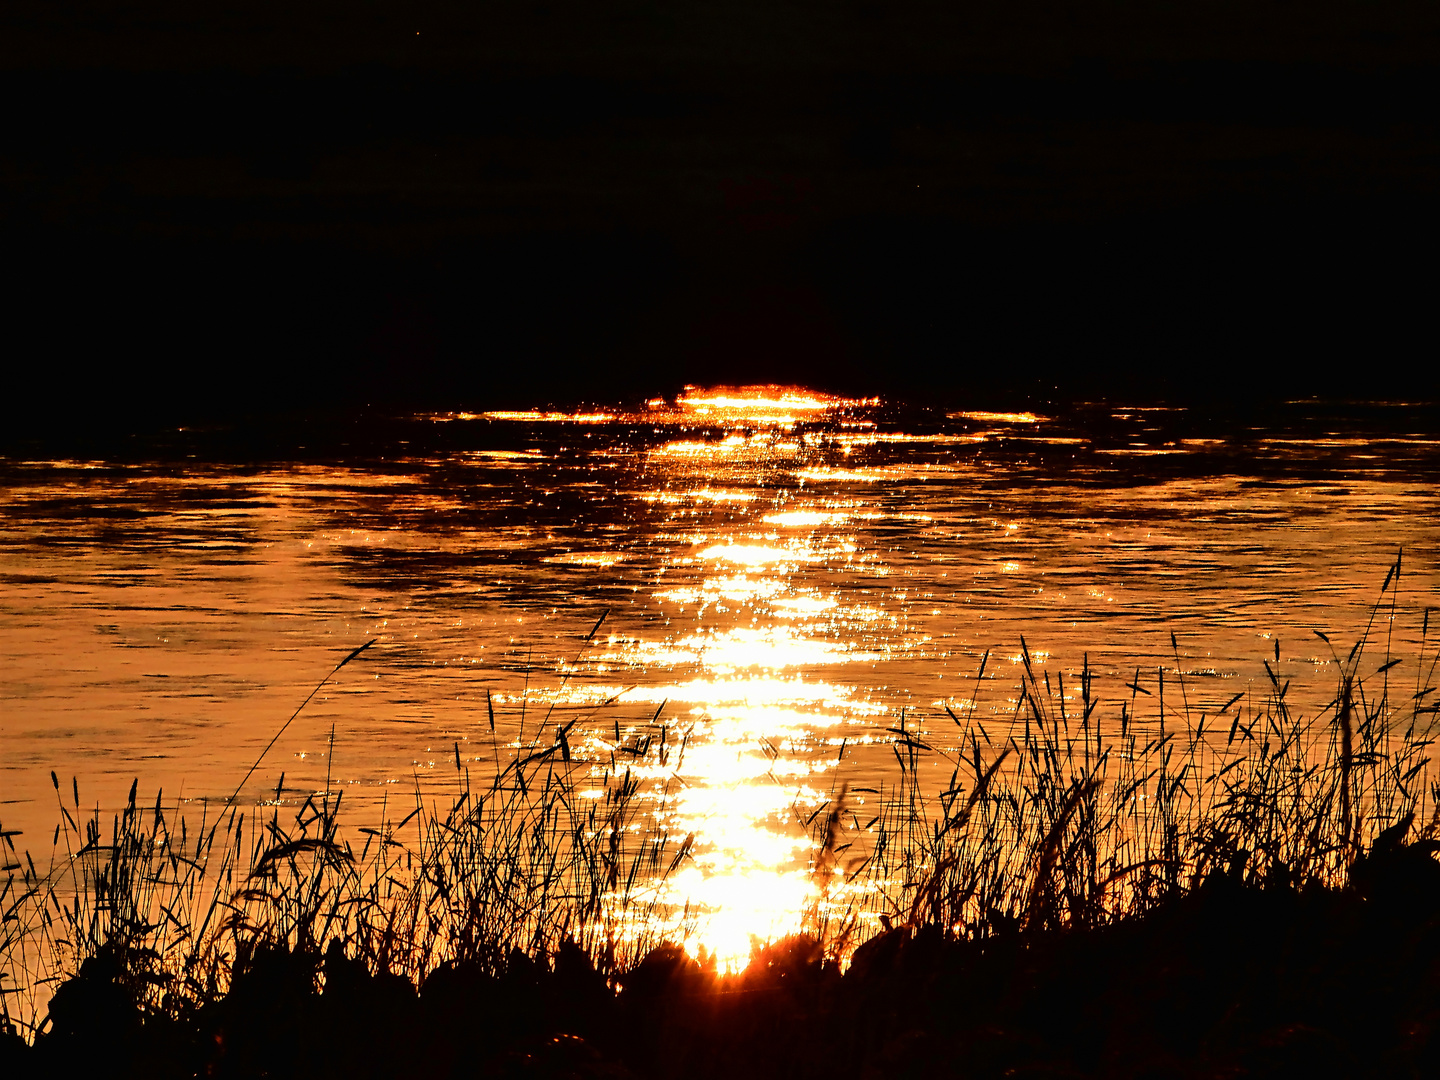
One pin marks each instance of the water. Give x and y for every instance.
(778, 573)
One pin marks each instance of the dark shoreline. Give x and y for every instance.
(1230, 981)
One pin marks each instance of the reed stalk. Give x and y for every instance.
(1072, 816)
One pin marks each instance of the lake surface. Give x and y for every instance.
(778, 573)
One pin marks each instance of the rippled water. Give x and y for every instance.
(777, 571)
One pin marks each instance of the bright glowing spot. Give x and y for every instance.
(756, 399)
(738, 588)
(803, 518)
(722, 496)
(547, 417)
(800, 606)
(771, 648)
(587, 558)
(999, 417)
(743, 907)
(754, 554)
(683, 448)
(864, 476)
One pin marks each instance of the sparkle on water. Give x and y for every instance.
(749, 876)
(784, 573)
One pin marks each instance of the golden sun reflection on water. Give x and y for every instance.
(758, 723)
(745, 648)
(756, 405)
(785, 573)
(756, 554)
(802, 518)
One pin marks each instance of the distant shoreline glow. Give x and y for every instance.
(729, 406)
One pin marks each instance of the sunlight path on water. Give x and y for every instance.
(740, 797)
(757, 630)
(784, 574)
(759, 603)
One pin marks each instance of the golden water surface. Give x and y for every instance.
(782, 575)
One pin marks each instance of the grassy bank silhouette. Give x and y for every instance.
(1245, 893)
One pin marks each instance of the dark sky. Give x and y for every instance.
(229, 207)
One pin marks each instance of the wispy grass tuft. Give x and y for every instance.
(1079, 814)
(522, 863)
(1073, 817)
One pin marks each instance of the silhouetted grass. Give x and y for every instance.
(521, 863)
(1063, 855)
(1052, 824)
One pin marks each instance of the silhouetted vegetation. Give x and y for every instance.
(1248, 893)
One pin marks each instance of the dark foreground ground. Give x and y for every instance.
(1231, 981)
(257, 207)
